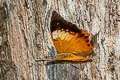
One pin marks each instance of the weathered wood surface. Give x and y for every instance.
(25, 37)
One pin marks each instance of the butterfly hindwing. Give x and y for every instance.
(68, 38)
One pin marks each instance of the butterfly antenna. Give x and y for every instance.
(38, 60)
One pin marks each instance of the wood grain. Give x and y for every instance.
(25, 38)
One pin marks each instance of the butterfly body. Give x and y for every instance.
(69, 40)
(70, 57)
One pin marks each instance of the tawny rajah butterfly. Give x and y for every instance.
(72, 43)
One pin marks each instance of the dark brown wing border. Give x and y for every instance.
(58, 22)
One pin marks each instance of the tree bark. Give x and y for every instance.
(25, 38)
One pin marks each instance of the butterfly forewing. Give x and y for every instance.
(67, 38)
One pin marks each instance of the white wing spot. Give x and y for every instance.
(54, 33)
(63, 35)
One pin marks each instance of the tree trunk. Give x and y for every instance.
(25, 38)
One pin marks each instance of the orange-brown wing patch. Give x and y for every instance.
(69, 40)
(65, 42)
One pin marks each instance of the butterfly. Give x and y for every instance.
(71, 43)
